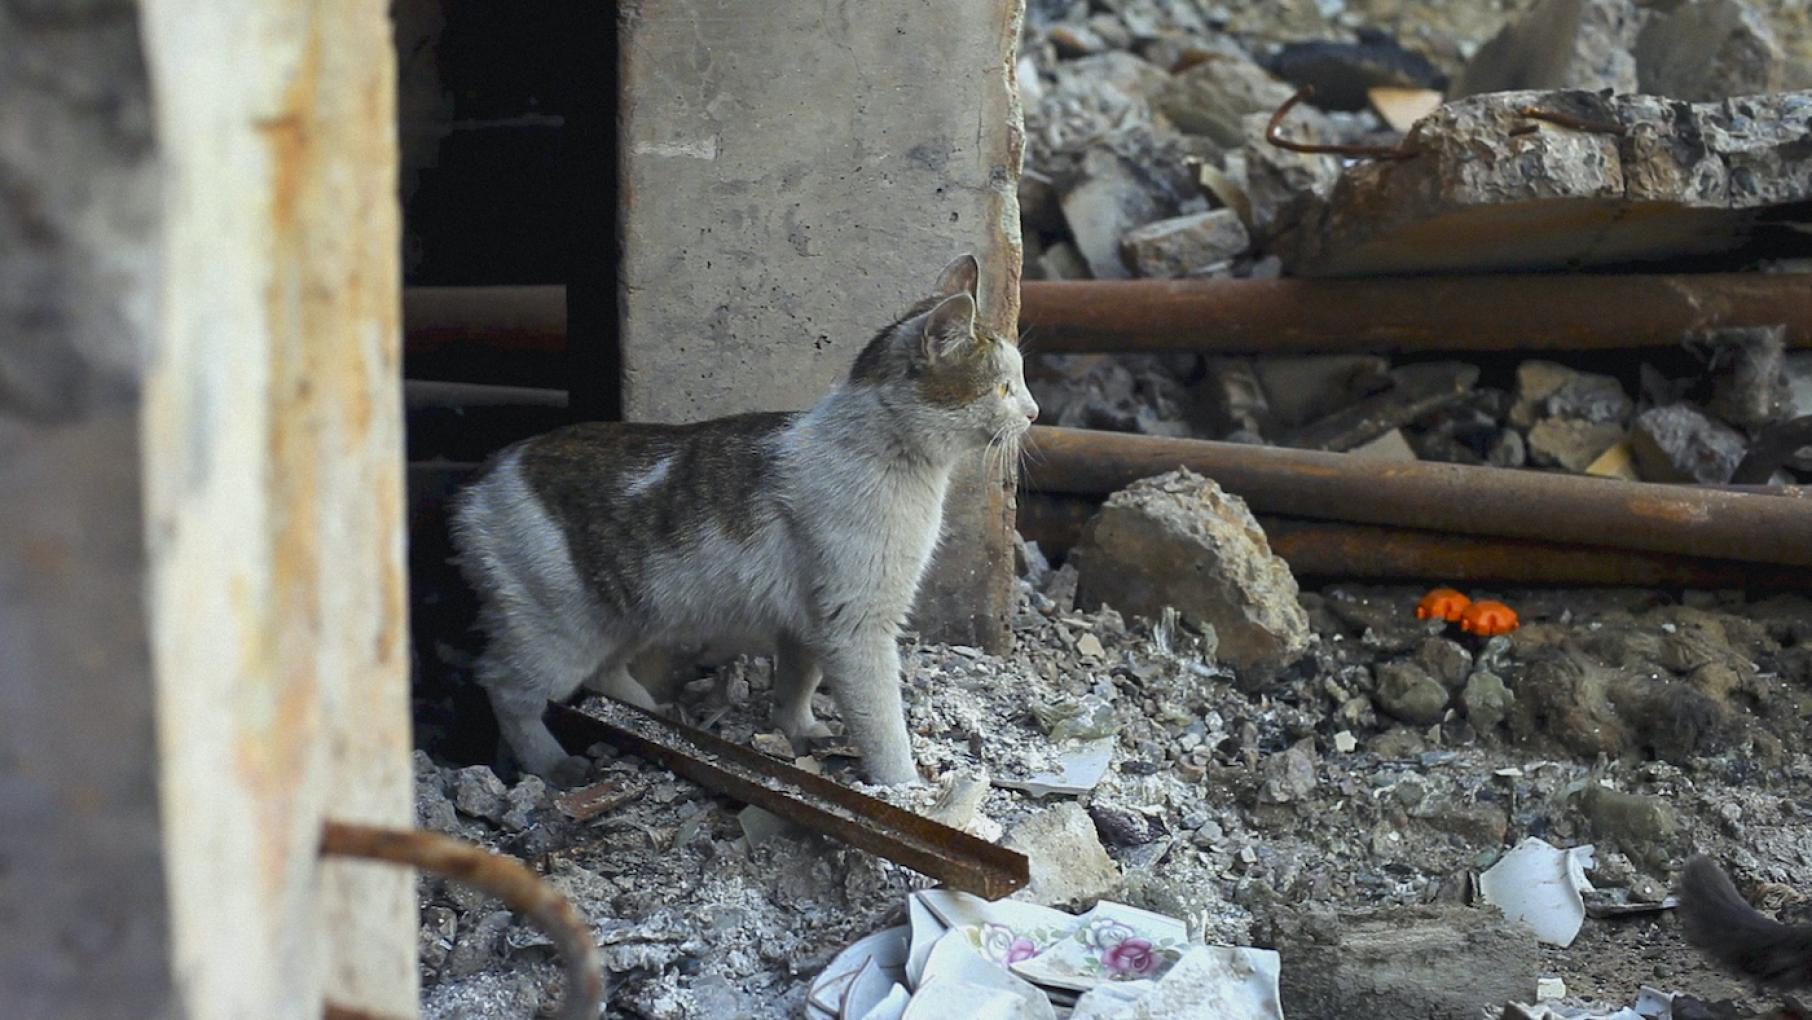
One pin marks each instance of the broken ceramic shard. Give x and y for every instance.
(1540, 885)
(1079, 768)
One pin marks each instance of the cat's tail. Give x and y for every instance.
(1721, 923)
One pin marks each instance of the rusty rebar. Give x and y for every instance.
(1275, 125)
(1574, 121)
(1331, 550)
(1527, 312)
(503, 877)
(1448, 498)
(951, 856)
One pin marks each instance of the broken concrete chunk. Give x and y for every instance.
(1067, 861)
(1415, 391)
(1679, 443)
(1547, 390)
(1358, 966)
(1447, 661)
(1559, 44)
(1571, 443)
(478, 792)
(1289, 776)
(1281, 183)
(1491, 189)
(1213, 97)
(1390, 446)
(1408, 692)
(1707, 50)
(1111, 199)
(1301, 389)
(1185, 245)
(1178, 540)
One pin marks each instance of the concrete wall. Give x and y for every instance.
(202, 612)
(794, 175)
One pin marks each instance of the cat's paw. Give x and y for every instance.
(571, 771)
(892, 773)
(803, 734)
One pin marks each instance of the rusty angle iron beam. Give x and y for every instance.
(951, 856)
(1519, 312)
(1451, 498)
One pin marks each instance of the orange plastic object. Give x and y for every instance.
(1442, 604)
(1488, 618)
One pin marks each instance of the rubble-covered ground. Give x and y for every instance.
(1282, 813)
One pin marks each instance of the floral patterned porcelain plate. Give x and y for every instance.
(1111, 943)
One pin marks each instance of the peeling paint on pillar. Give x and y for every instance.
(794, 174)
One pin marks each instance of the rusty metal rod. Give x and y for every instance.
(1450, 498)
(503, 877)
(529, 319)
(949, 855)
(1528, 312)
(1330, 550)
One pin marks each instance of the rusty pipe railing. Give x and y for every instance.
(1335, 550)
(1449, 498)
(1527, 312)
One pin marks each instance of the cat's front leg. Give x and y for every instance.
(796, 678)
(864, 675)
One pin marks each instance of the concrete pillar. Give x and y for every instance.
(273, 430)
(793, 177)
(202, 607)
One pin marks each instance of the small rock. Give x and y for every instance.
(479, 793)
(1708, 50)
(1445, 660)
(1298, 390)
(1075, 40)
(1679, 443)
(1089, 647)
(1289, 776)
(1185, 245)
(1061, 261)
(1111, 198)
(1548, 989)
(1507, 450)
(478, 946)
(1547, 390)
(522, 801)
(1407, 692)
(1643, 827)
(1559, 44)
(1345, 742)
(1212, 97)
(1391, 446)
(1209, 835)
(1571, 443)
(434, 942)
(1121, 826)
(1178, 540)
(1486, 701)
(1067, 861)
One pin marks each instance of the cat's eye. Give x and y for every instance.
(1001, 389)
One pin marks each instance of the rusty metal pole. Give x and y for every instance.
(1331, 549)
(1526, 312)
(1450, 498)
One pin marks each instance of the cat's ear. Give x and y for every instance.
(961, 276)
(947, 327)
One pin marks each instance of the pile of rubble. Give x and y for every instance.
(1320, 773)
(1147, 156)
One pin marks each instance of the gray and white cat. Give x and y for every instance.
(807, 533)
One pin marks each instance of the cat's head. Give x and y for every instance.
(956, 376)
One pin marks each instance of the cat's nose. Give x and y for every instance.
(1031, 412)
